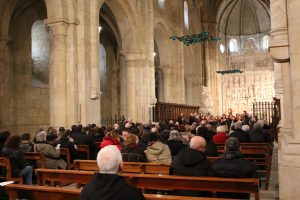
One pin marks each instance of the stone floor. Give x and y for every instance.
(272, 192)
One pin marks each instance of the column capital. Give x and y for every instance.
(58, 28)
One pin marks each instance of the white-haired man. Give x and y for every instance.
(107, 184)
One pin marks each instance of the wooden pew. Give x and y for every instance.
(65, 154)
(128, 167)
(260, 154)
(5, 163)
(160, 182)
(62, 176)
(19, 191)
(84, 149)
(213, 184)
(37, 157)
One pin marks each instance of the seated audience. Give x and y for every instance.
(220, 136)
(84, 139)
(26, 145)
(233, 165)
(191, 162)
(174, 142)
(238, 133)
(258, 134)
(211, 148)
(108, 184)
(65, 142)
(52, 154)
(157, 152)
(4, 134)
(131, 152)
(19, 168)
(111, 138)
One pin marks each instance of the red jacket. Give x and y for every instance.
(110, 141)
(220, 137)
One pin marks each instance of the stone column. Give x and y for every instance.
(58, 74)
(6, 89)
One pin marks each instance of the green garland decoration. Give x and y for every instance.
(231, 71)
(195, 38)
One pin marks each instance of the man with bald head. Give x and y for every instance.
(108, 184)
(191, 161)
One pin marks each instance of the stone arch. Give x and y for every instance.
(124, 10)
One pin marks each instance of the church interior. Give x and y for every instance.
(65, 62)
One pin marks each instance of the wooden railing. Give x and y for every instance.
(170, 111)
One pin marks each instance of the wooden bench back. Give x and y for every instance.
(5, 163)
(128, 167)
(84, 149)
(65, 154)
(161, 182)
(18, 191)
(36, 156)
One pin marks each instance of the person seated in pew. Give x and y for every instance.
(174, 142)
(258, 135)
(52, 154)
(108, 184)
(157, 152)
(211, 148)
(19, 167)
(233, 165)
(26, 145)
(192, 162)
(238, 133)
(131, 152)
(221, 135)
(65, 142)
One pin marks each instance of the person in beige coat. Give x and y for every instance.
(157, 152)
(51, 154)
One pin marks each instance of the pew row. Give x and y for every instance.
(128, 167)
(19, 191)
(160, 182)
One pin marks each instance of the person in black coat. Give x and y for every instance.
(258, 134)
(211, 148)
(65, 142)
(191, 162)
(107, 184)
(238, 133)
(174, 142)
(233, 165)
(131, 152)
(84, 139)
(19, 167)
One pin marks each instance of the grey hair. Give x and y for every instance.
(238, 125)
(232, 144)
(41, 136)
(109, 160)
(246, 128)
(256, 126)
(222, 128)
(174, 135)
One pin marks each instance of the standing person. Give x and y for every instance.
(233, 165)
(12, 150)
(108, 184)
(181, 119)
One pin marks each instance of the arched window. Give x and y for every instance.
(161, 3)
(233, 47)
(40, 48)
(102, 66)
(186, 14)
(265, 42)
